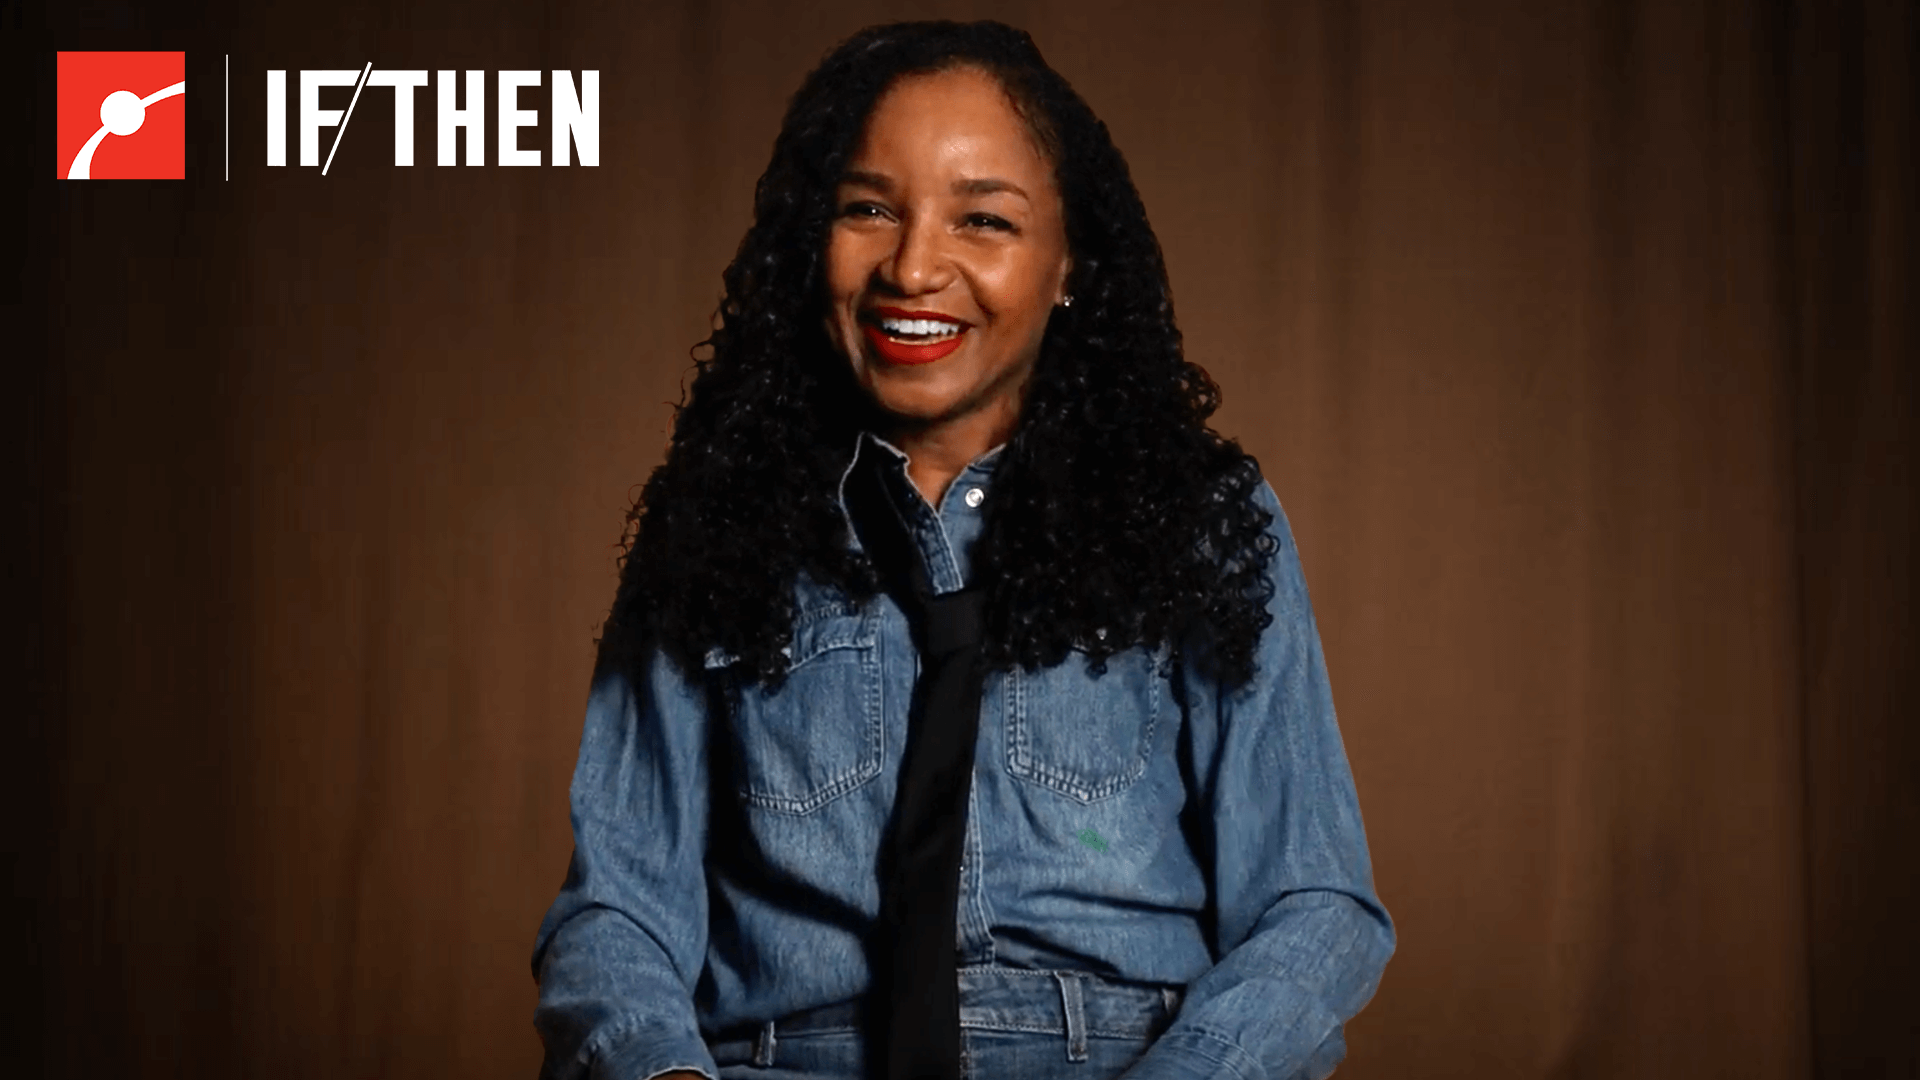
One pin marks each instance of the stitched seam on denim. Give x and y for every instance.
(1043, 1029)
(717, 657)
(1073, 1010)
(1010, 1025)
(764, 1043)
(1068, 784)
(926, 520)
(784, 1033)
(802, 1033)
(677, 1067)
(861, 636)
(819, 650)
(831, 791)
(977, 924)
(1102, 985)
(989, 972)
(1016, 730)
(1120, 1033)
(1097, 996)
(596, 1046)
(1103, 1031)
(958, 579)
(1197, 1038)
(876, 702)
(831, 609)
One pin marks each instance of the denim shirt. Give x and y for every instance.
(1143, 824)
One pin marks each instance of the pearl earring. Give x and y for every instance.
(1068, 302)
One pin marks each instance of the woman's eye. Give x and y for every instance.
(989, 221)
(861, 210)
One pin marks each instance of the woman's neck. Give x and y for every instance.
(936, 453)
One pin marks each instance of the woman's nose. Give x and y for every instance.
(921, 263)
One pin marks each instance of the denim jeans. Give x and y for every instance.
(1015, 1024)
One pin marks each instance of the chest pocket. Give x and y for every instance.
(1083, 735)
(819, 735)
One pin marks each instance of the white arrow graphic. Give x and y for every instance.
(121, 113)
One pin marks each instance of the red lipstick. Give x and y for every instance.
(900, 352)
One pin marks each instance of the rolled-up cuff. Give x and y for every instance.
(1195, 1055)
(646, 1051)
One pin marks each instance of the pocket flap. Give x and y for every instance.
(824, 629)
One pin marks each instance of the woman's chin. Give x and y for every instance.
(914, 415)
(911, 401)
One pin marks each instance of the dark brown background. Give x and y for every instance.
(1576, 336)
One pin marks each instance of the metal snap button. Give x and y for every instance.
(975, 497)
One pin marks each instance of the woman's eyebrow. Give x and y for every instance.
(875, 181)
(987, 186)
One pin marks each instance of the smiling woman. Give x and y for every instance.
(951, 246)
(961, 710)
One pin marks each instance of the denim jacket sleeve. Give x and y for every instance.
(1301, 938)
(621, 949)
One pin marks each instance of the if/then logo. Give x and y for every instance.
(573, 115)
(120, 115)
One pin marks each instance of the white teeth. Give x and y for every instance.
(919, 327)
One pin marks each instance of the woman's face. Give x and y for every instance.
(947, 255)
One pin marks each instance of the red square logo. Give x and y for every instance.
(120, 116)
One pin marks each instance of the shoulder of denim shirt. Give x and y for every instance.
(1283, 571)
(1264, 498)
(1286, 555)
(654, 675)
(1289, 605)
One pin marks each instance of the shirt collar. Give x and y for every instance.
(868, 443)
(868, 437)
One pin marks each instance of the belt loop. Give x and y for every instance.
(1073, 1003)
(763, 1045)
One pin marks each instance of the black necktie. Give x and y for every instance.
(917, 974)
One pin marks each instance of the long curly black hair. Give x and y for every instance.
(1117, 517)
